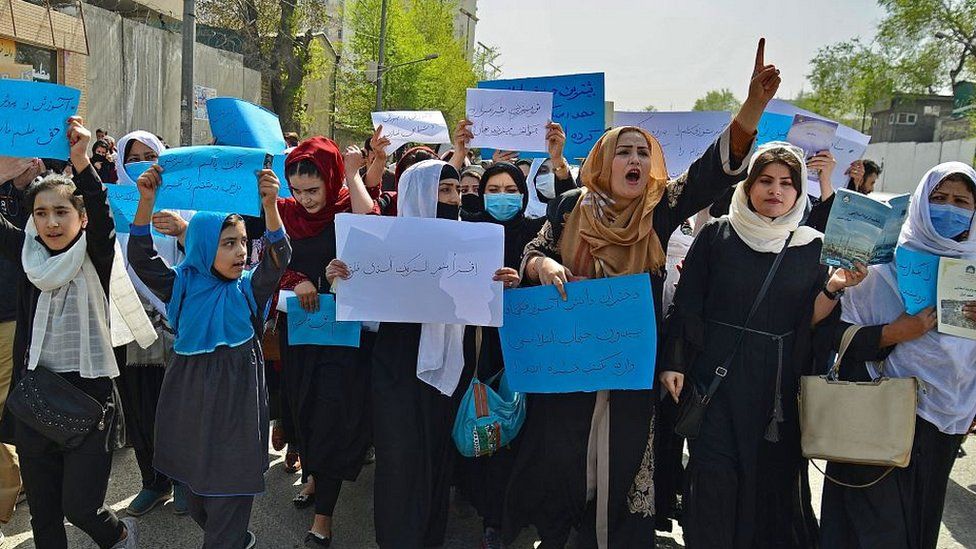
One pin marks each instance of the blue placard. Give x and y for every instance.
(278, 165)
(773, 127)
(124, 200)
(207, 178)
(320, 327)
(604, 336)
(34, 118)
(918, 278)
(577, 104)
(237, 123)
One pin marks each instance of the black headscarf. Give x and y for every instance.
(519, 231)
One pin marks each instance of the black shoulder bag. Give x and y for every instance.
(691, 410)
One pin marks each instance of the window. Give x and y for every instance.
(891, 118)
(907, 118)
(932, 110)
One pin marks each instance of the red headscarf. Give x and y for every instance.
(324, 153)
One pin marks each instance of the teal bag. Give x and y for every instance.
(487, 420)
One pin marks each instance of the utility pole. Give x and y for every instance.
(382, 59)
(186, 78)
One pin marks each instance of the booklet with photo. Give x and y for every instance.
(862, 229)
(957, 287)
(812, 135)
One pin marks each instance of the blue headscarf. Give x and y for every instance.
(206, 310)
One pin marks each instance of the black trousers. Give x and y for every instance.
(139, 388)
(326, 495)
(68, 484)
(224, 520)
(904, 510)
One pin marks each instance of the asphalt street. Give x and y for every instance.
(279, 525)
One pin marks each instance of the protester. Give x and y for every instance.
(212, 425)
(104, 162)
(505, 197)
(327, 386)
(743, 478)
(903, 508)
(525, 165)
(291, 139)
(472, 203)
(68, 252)
(584, 447)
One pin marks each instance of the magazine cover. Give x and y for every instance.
(957, 287)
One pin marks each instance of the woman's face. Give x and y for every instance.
(953, 193)
(140, 152)
(447, 192)
(501, 183)
(231, 252)
(631, 166)
(469, 184)
(773, 193)
(101, 151)
(57, 220)
(867, 186)
(544, 169)
(308, 190)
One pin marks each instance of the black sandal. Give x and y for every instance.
(303, 501)
(317, 539)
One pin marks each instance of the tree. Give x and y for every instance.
(718, 100)
(415, 28)
(650, 108)
(848, 79)
(275, 36)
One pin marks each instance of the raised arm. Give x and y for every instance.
(100, 231)
(277, 248)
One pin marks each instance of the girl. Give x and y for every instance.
(578, 449)
(745, 468)
(904, 509)
(68, 253)
(212, 418)
(327, 387)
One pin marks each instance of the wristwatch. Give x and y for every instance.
(833, 296)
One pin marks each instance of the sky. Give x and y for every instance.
(668, 53)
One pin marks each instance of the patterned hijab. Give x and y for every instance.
(605, 236)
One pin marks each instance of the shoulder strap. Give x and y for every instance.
(723, 369)
(845, 342)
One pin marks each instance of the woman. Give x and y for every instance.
(904, 509)
(505, 197)
(472, 205)
(543, 187)
(69, 254)
(617, 225)
(863, 175)
(212, 425)
(745, 468)
(327, 387)
(104, 162)
(416, 370)
(142, 373)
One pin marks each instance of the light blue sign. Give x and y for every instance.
(918, 278)
(604, 336)
(278, 165)
(237, 123)
(684, 136)
(320, 327)
(773, 127)
(34, 118)
(577, 104)
(207, 178)
(124, 200)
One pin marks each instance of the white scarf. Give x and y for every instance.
(536, 207)
(761, 233)
(440, 359)
(72, 304)
(943, 362)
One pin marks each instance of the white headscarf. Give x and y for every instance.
(536, 207)
(944, 363)
(440, 359)
(759, 232)
(166, 247)
(82, 322)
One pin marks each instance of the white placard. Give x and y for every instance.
(509, 120)
(402, 127)
(409, 269)
(684, 136)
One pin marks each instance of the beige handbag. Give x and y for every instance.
(866, 423)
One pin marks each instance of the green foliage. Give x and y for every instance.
(415, 28)
(718, 100)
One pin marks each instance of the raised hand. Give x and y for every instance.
(504, 156)
(765, 78)
(379, 144)
(268, 186)
(149, 182)
(353, 158)
(78, 139)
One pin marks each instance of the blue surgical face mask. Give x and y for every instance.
(950, 221)
(503, 206)
(545, 183)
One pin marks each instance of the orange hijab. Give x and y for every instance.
(605, 236)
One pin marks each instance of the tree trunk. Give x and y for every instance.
(288, 69)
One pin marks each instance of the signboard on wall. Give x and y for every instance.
(200, 96)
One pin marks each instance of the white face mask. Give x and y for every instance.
(546, 184)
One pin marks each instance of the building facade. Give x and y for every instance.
(909, 117)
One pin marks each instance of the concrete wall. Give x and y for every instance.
(904, 164)
(134, 77)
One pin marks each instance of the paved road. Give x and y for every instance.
(279, 525)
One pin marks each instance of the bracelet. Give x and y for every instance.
(833, 296)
